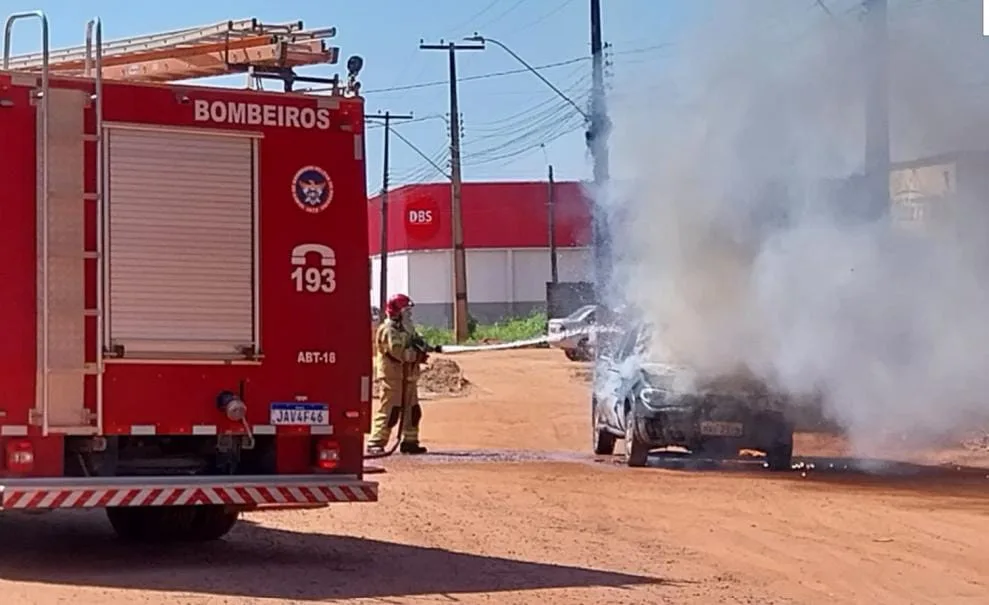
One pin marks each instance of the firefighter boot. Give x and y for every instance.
(410, 428)
(411, 447)
(385, 418)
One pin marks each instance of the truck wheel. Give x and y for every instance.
(604, 441)
(151, 523)
(211, 523)
(636, 452)
(572, 354)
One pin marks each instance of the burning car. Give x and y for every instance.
(652, 405)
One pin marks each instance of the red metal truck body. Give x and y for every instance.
(151, 392)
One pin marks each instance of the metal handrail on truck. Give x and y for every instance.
(42, 227)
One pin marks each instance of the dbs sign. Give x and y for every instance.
(422, 218)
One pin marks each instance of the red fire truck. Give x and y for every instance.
(185, 279)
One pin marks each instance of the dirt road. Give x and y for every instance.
(515, 510)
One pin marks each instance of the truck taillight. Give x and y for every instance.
(327, 454)
(20, 456)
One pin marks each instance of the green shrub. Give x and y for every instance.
(512, 329)
(509, 330)
(436, 336)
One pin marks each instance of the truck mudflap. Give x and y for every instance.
(247, 492)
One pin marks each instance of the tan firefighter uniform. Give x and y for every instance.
(396, 359)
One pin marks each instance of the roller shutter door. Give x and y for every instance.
(181, 243)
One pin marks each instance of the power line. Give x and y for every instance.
(501, 15)
(507, 72)
(434, 116)
(470, 19)
(527, 129)
(424, 170)
(420, 153)
(516, 155)
(484, 76)
(545, 16)
(526, 116)
(495, 144)
(560, 114)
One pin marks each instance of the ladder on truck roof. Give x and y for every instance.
(234, 46)
(225, 48)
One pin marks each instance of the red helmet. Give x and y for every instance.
(395, 305)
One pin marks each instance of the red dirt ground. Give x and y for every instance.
(514, 509)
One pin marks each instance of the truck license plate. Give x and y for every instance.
(721, 429)
(300, 414)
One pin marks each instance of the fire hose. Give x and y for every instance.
(526, 343)
(388, 451)
(424, 348)
(456, 349)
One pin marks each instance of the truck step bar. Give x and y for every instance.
(247, 492)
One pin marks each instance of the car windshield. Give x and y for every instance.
(581, 313)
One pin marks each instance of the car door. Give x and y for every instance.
(618, 373)
(629, 372)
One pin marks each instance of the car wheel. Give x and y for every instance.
(583, 352)
(572, 354)
(604, 441)
(636, 451)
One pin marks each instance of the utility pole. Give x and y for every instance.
(383, 266)
(877, 107)
(551, 221)
(459, 254)
(597, 142)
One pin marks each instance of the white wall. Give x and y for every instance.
(431, 276)
(488, 276)
(530, 272)
(398, 274)
(574, 264)
(493, 275)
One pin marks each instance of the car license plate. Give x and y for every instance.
(721, 429)
(300, 414)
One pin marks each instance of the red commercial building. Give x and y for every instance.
(506, 235)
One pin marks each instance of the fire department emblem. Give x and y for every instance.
(312, 189)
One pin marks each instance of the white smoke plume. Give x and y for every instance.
(725, 242)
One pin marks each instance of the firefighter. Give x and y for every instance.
(399, 352)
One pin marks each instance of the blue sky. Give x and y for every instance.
(505, 118)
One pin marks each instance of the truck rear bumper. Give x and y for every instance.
(244, 492)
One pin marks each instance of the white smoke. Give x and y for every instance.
(726, 243)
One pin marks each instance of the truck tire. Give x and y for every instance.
(604, 441)
(151, 523)
(636, 452)
(211, 523)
